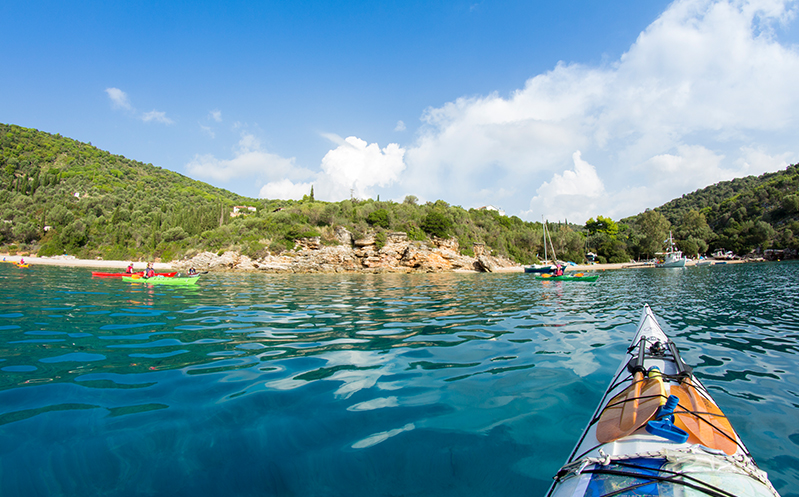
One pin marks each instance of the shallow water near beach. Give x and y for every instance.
(364, 385)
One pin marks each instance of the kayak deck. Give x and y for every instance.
(633, 445)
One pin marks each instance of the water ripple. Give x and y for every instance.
(441, 384)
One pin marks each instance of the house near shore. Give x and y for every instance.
(238, 210)
(492, 208)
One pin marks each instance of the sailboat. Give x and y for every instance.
(673, 256)
(542, 268)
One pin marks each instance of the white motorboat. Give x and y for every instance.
(672, 256)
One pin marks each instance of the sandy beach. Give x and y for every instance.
(71, 261)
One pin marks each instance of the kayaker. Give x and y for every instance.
(130, 268)
(558, 270)
(192, 271)
(149, 272)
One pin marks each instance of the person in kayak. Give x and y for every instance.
(192, 271)
(149, 272)
(558, 270)
(130, 268)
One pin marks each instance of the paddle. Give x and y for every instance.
(704, 421)
(634, 406)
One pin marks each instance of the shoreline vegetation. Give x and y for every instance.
(61, 196)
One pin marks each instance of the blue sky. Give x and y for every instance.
(564, 110)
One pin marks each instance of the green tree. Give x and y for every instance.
(654, 228)
(379, 218)
(74, 234)
(602, 225)
(791, 203)
(694, 225)
(437, 223)
(26, 232)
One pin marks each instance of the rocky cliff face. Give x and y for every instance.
(398, 255)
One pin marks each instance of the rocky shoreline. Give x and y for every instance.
(392, 253)
(396, 254)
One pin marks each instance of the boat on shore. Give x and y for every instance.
(673, 256)
(539, 268)
(657, 431)
(162, 280)
(723, 255)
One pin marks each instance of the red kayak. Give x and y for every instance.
(139, 273)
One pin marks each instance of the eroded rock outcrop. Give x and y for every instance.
(398, 254)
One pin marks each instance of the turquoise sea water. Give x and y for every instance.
(363, 385)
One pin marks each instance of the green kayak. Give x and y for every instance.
(569, 277)
(162, 280)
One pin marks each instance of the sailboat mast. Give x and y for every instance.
(545, 241)
(552, 246)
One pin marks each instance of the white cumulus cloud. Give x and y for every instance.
(566, 195)
(157, 116)
(250, 160)
(285, 190)
(356, 167)
(704, 94)
(119, 99)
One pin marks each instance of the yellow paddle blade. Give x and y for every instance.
(703, 420)
(546, 275)
(631, 409)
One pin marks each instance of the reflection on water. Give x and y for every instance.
(443, 384)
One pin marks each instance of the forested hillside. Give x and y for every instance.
(746, 216)
(745, 213)
(58, 195)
